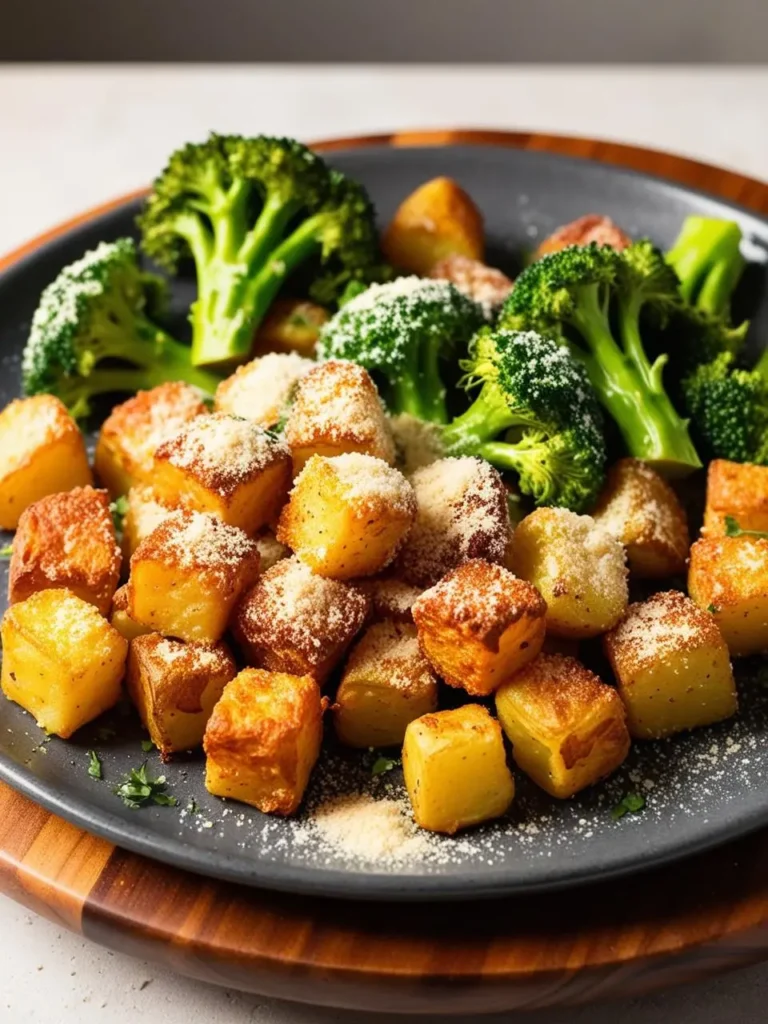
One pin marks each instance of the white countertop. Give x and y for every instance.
(73, 137)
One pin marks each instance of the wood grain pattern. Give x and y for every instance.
(619, 938)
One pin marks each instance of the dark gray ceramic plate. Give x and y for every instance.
(700, 789)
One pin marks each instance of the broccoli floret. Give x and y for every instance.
(536, 414)
(707, 259)
(93, 314)
(572, 295)
(400, 332)
(729, 408)
(250, 212)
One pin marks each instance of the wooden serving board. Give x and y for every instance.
(620, 938)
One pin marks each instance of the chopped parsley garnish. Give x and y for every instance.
(631, 803)
(139, 790)
(119, 510)
(192, 807)
(712, 609)
(732, 529)
(384, 764)
(94, 765)
(147, 746)
(6, 552)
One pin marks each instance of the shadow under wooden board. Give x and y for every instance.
(618, 938)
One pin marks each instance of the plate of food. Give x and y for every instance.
(390, 524)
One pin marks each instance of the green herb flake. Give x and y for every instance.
(6, 552)
(384, 764)
(631, 803)
(95, 769)
(139, 790)
(192, 807)
(712, 609)
(147, 746)
(119, 510)
(732, 529)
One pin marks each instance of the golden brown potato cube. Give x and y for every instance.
(131, 434)
(121, 620)
(728, 577)
(262, 389)
(738, 490)
(225, 466)
(271, 551)
(462, 513)
(672, 667)
(641, 510)
(67, 541)
(455, 769)
(439, 219)
(486, 285)
(175, 687)
(263, 739)
(479, 625)
(144, 514)
(347, 516)
(292, 325)
(417, 443)
(592, 227)
(43, 453)
(295, 621)
(567, 728)
(387, 683)
(187, 576)
(62, 661)
(577, 565)
(337, 409)
(391, 599)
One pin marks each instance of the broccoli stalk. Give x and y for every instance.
(572, 295)
(707, 259)
(250, 212)
(91, 333)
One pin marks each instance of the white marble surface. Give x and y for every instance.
(72, 137)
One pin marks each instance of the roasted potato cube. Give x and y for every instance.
(672, 667)
(391, 599)
(187, 576)
(67, 541)
(439, 219)
(132, 433)
(43, 453)
(263, 739)
(479, 625)
(387, 683)
(739, 490)
(456, 770)
(261, 390)
(417, 443)
(578, 567)
(641, 510)
(462, 513)
(484, 284)
(292, 325)
(567, 728)
(227, 467)
(61, 660)
(347, 515)
(337, 409)
(121, 620)
(592, 227)
(295, 621)
(144, 514)
(271, 551)
(175, 687)
(728, 577)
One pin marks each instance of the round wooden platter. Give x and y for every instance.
(615, 939)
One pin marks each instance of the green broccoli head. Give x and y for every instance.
(536, 415)
(251, 212)
(729, 409)
(400, 331)
(96, 310)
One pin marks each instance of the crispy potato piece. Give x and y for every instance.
(292, 325)
(567, 728)
(227, 467)
(144, 514)
(61, 660)
(739, 490)
(462, 513)
(578, 567)
(486, 285)
(642, 511)
(175, 687)
(728, 577)
(67, 541)
(261, 390)
(387, 683)
(263, 739)
(439, 219)
(121, 620)
(337, 409)
(132, 433)
(455, 769)
(671, 666)
(347, 516)
(592, 227)
(391, 598)
(479, 625)
(187, 576)
(295, 621)
(417, 443)
(43, 453)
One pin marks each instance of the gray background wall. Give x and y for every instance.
(385, 30)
